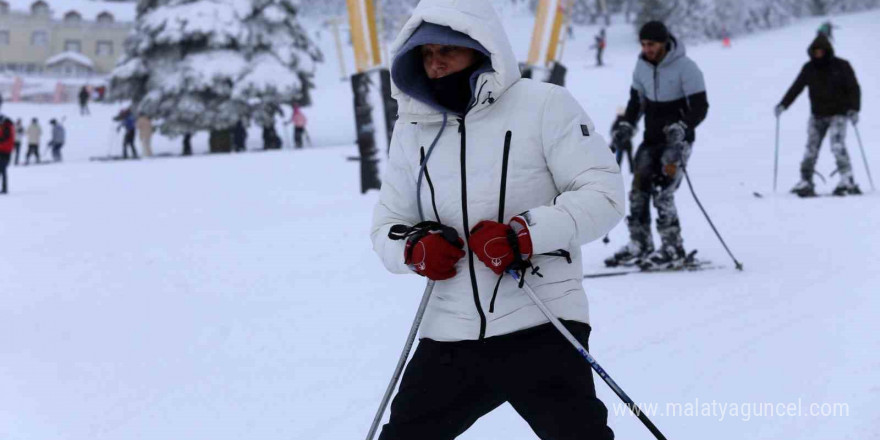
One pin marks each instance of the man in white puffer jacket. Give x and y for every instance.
(516, 168)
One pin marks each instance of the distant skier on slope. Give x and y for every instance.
(56, 143)
(668, 88)
(517, 168)
(599, 45)
(7, 145)
(34, 133)
(835, 98)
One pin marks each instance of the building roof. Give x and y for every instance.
(72, 56)
(88, 9)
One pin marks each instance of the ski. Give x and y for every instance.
(691, 264)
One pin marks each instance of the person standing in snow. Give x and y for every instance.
(299, 126)
(835, 98)
(516, 168)
(34, 133)
(57, 141)
(144, 128)
(599, 45)
(127, 122)
(187, 145)
(239, 136)
(19, 137)
(84, 100)
(669, 90)
(7, 144)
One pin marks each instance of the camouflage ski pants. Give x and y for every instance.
(818, 126)
(651, 181)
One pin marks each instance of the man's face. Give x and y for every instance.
(818, 54)
(441, 60)
(653, 51)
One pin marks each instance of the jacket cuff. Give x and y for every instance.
(549, 229)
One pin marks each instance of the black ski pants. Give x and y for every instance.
(447, 386)
(33, 150)
(127, 142)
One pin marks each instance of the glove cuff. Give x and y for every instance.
(523, 239)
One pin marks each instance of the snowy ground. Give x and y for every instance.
(235, 297)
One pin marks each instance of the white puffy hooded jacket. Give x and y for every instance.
(559, 170)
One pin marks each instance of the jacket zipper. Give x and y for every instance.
(467, 234)
(656, 94)
(430, 185)
(502, 199)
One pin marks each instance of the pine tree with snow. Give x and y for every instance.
(195, 65)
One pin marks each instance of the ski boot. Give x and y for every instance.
(847, 186)
(804, 188)
(667, 257)
(629, 255)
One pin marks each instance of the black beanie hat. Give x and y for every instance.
(654, 31)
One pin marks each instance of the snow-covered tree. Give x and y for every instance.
(198, 65)
(710, 19)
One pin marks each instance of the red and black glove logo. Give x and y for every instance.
(501, 246)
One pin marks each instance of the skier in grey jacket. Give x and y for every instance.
(515, 168)
(668, 89)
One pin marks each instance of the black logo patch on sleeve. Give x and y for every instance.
(585, 130)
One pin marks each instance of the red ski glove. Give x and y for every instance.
(431, 249)
(499, 246)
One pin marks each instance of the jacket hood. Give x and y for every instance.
(675, 51)
(821, 42)
(475, 19)
(408, 71)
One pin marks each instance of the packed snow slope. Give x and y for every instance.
(234, 297)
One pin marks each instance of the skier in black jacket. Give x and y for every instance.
(835, 97)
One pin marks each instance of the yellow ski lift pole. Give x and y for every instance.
(538, 33)
(558, 19)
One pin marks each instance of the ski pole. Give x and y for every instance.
(429, 289)
(864, 157)
(583, 351)
(687, 177)
(402, 361)
(776, 160)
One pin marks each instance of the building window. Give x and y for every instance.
(72, 46)
(105, 18)
(104, 48)
(72, 17)
(4, 38)
(39, 38)
(4, 7)
(40, 8)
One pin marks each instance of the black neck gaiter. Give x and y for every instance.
(454, 91)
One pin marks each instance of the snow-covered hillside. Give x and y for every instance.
(236, 296)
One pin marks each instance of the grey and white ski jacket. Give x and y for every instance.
(672, 91)
(557, 167)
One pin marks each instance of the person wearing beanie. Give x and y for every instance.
(488, 173)
(669, 90)
(835, 98)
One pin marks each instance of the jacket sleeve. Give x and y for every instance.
(694, 87)
(591, 194)
(397, 205)
(853, 91)
(795, 89)
(636, 105)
